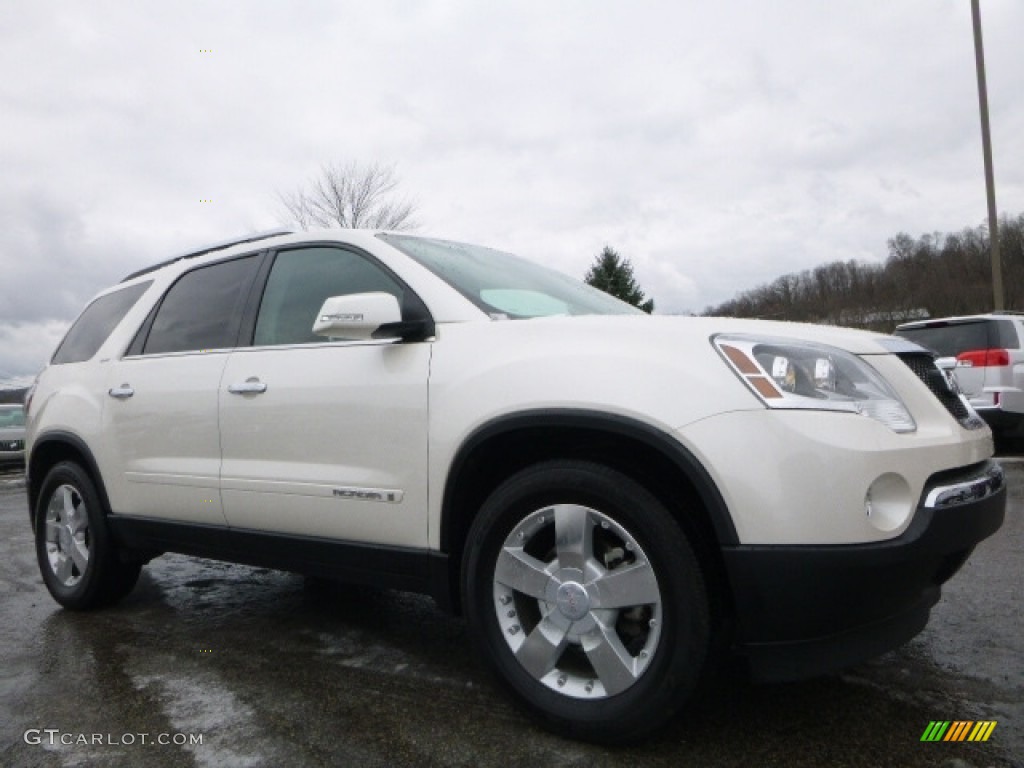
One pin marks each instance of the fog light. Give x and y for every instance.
(888, 503)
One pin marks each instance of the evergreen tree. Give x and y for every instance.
(614, 275)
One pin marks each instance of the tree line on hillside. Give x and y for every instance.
(933, 275)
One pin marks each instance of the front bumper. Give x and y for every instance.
(810, 609)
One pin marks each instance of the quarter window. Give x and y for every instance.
(1007, 334)
(96, 323)
(203, 309)
(299, 283)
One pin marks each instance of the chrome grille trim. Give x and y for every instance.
(990, 482)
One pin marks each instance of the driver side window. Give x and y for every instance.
(299, 283)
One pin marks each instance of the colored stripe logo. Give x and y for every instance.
(958, 730)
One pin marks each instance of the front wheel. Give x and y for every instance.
(77, 558)
(586, 598)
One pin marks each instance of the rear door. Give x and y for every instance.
(162, 397)
(325, 437)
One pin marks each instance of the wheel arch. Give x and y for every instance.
(501, 447)
(50, 449)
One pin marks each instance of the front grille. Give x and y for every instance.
(923, 364)
(12, 445)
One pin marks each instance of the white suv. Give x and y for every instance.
(608, 497)
(985, 354)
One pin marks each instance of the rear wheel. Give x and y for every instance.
(77, 557)
(586, 598)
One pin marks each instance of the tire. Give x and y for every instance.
(77, 558)
(585, 597)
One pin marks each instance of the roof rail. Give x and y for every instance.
(251, 238)
(1007, 312)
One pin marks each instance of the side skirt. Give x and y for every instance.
(409, 570)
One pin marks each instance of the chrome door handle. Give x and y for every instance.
(121, 393)
(251, 386)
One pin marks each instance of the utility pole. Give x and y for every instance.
(986, 144)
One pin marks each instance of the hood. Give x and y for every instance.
(848, 339)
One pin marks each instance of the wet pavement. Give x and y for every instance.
(267, 669)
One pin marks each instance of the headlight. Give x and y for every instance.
(801, 374)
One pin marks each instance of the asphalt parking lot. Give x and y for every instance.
(267, 669)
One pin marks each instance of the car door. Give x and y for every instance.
(161, 415)
(323, 437)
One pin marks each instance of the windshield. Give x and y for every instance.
(506, 286)
(12, 416)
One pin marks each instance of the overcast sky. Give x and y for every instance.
(717, 145)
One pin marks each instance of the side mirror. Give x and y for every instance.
(357, 316)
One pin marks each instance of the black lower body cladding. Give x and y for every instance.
(808, 610)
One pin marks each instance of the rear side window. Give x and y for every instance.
(203, 309)
(96, 323)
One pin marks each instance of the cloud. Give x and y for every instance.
(25, 349)
(716, 145)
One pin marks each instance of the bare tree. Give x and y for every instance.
(350, 196)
